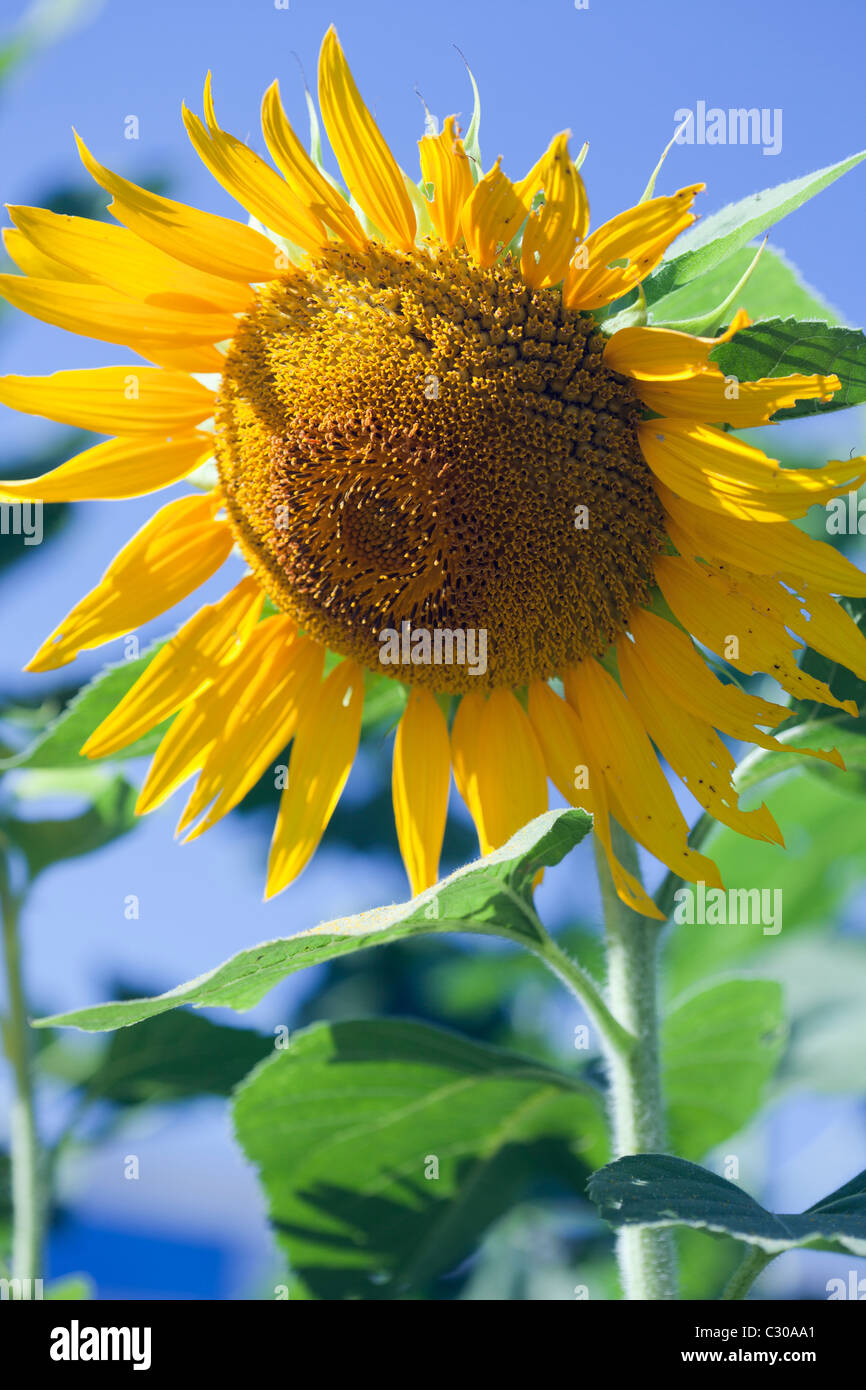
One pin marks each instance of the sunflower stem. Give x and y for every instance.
(25, 1150)
(587, 992)
(647, 1256)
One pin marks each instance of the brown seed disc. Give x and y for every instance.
(414, 439)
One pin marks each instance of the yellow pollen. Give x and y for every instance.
(416, 440)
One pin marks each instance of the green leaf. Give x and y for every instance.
(60, 744)
(775, 288)
(720, 1047)
(46, 842)
(386, 1147)
(705, 1266)
(175, 1056)
(491, 897)
(714, 238)
(470, 139)
(659, 1190)
(779, 347)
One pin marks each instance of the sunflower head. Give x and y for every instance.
(418, 439)
(421, 421)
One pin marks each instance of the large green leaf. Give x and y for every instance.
(386, 1148)
(492, 897)
(659, 1190)
(714, 238)
(780, 347)
(46, 842)
(719, 1049)
(774, 288)
(173, 1057)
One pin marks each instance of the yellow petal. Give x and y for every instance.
(95, 311)
(465, 735)
(498, 766)
(213, 244)
(712, 398)
(639, 793)
(539, 179)
(550, 233)
(724, 474)
(104, 253)
(182, 750)
(368, 166)
(199, 726)
(708, 606)
(264, 714)
(200, 358)
(638, 237)
(420, 778)
(112, 400)
(815, 617)
(692, 748)
(187, 663)
(491, 216)
(323, 751)
(255, 185)
(665, 354)
(306, 181)
(34, 262)
(680, 671)
(513, 779)
(175, 552)
(832, 631)
(445, 165)
(558, 732)
(780, 549)
(118, 468)
(563, 744)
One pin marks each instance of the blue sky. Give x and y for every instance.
(614, 73)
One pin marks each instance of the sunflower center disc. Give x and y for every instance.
(415, 444)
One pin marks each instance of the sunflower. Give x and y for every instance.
(400, 407)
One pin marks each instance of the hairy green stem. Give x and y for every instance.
(588, 993)
(25, 1150)
(753, 1263)
(647, 1256)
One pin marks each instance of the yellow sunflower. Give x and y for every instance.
(423, 440)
